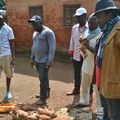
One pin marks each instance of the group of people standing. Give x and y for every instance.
(101, 67)
(90, 32)
(43, 50)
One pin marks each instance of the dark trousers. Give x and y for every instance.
(113, 108)
(44, 82)
(77, 74)
(91, 89)
(105, 108)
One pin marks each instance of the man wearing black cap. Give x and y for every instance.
(107, 57)
(43, 51)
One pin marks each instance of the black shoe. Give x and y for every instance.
(41, 102)
(79, 105)
(73, 93)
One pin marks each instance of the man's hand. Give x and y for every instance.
(86, 43)
(12, 63)
(33, 64)
(48, 66)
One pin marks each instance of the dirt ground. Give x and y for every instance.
(25, 85)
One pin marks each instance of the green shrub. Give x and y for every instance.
(60, 54)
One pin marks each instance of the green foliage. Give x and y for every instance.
(2, 4)
(60, 54)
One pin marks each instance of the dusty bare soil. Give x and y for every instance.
(25, 85)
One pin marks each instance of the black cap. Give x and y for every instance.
(35, 18)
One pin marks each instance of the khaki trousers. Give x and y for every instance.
(5, 65)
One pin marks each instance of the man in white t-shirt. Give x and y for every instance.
(7, 57)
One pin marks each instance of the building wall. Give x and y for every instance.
(18, 14)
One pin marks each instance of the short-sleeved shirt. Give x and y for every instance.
(6, 34)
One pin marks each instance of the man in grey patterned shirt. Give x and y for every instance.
(43, 50)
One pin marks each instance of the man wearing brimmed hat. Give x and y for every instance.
(7, 57)
(107, 57)
(78, 31)
(43, 50)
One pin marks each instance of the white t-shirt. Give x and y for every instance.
(6, 34)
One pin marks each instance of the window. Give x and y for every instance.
(35, 10)
(69, 11)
